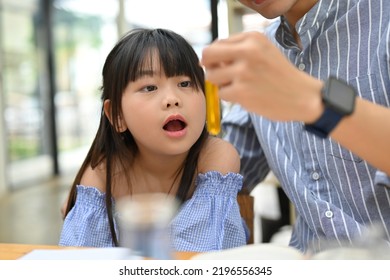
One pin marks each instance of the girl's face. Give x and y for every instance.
(165, 115)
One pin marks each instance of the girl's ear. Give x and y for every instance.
(121, 125)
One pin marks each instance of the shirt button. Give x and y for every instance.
(329, 214)
(301, 66)
(315, 176)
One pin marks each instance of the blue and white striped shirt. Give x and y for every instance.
(335, 193)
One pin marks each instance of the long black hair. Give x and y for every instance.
(124, 64)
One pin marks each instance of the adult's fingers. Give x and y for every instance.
(222, 51)
(219, 77)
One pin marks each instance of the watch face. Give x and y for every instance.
(340, 96)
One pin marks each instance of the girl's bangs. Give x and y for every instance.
(171, 58)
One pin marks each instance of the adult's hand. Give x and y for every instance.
(250, 70)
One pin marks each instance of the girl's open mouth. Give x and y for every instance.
(175, 125)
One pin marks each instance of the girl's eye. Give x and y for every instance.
(149, 88)
(185, 84)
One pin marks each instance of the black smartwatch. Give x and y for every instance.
(339, 101)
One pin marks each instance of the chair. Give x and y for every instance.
(245, 201)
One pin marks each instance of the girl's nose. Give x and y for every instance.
(172, 100)
(172, 103)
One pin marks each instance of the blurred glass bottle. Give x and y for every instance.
(144, 224)
(370, 245)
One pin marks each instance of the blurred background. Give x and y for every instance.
(51, 57)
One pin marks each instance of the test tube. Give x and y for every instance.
(213, 112)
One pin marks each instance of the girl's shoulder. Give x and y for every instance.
(94, 177)
(219, 155)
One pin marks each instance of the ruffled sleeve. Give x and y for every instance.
(87, 223)
(211, 219)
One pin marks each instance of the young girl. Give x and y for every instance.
(152, 138)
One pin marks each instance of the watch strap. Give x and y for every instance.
(325, 124)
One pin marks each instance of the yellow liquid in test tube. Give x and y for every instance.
(213, 112)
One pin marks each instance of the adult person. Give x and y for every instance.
(315, 88)
(152, 138)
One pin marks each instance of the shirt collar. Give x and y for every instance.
(323, 13)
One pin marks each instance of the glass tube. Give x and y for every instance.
(213, 111)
